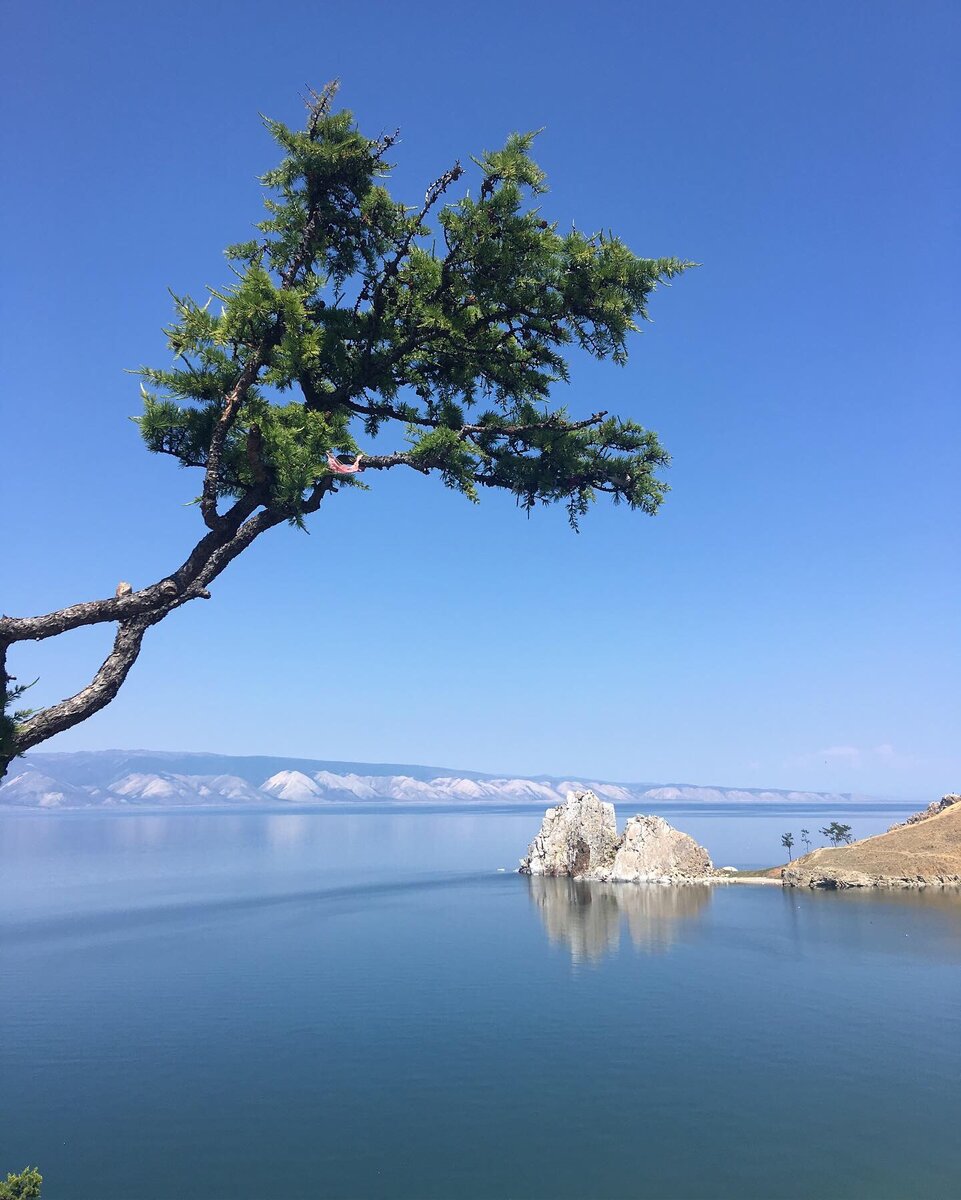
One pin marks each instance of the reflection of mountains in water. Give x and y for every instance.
(586, 916)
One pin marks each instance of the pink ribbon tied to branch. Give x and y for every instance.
(340, 468)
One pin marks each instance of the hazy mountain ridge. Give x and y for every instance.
(146, 778)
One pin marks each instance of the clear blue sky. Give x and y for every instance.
(791, 618)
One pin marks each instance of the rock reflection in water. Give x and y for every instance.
(586, 916)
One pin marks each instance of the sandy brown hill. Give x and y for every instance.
(924, 851)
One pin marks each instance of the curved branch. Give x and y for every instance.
(186, 583)
(390, 267)
(96, 695)
(225, 554)
(130, 633)
(232, 402)
(164, 595)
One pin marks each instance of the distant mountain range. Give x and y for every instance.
(164, 779)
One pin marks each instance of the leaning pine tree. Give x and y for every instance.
(352, 315)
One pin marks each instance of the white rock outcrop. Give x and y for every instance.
(579, 839)
(651, 850)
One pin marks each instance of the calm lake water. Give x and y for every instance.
(223, 1005)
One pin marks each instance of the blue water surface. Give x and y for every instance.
(229, 1005)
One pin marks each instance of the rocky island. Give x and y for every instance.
(580, 839)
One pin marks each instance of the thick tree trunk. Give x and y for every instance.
(6, 728)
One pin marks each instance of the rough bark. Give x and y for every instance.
(134, 614)
(97, 694)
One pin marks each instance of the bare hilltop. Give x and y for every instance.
(924, 851)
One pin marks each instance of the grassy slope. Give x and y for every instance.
(929, 848)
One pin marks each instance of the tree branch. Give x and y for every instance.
(130, 633)
(319, 106)
(389, 412)
(232, 402)
(186, 583)
(373, 285)
(96, 695)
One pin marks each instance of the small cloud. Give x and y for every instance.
(850, 755)
(887, 755)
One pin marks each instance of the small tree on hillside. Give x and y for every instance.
(806, 840)
(836, 833)
(352, 315)
(787, 841)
